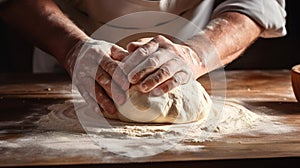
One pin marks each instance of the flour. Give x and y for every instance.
(216, 23)
(139, 140)
(62, 117)
(227, 118)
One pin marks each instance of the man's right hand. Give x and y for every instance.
(95, 70)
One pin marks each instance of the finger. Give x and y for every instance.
(163, 41)
(170, 84)
(114, 69)
(148, 66)
(85, 94)
(139, 55)
(110, 87)
(115, 84)
(118, 53)
(89, 95)
(132, 46)
(90, 100)
(108, 115)
(103, 79)
(117, 94)
(165, 72)
(145, 40)
(104, 100)
(96, 96)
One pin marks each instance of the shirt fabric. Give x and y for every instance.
(90, 15)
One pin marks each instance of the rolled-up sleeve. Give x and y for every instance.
(270, 14)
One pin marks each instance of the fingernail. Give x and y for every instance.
(144, 87)
(134, 80)
(130, 77)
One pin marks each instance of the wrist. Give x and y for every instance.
(205, 51)
(68, 59)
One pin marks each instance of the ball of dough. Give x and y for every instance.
(183, 104)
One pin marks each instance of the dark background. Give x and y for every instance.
(276, 53)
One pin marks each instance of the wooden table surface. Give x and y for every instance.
(22, 95)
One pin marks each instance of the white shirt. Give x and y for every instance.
(90, 15)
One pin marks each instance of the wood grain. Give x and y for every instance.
(24, 97)
(295, 75)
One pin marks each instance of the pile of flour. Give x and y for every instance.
(136, 140)
(226, 117)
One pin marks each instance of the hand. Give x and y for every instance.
(95, 63)
(159, 65)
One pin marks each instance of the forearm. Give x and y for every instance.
(44, 23)
(223, 40)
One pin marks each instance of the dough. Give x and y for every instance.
(184, 104)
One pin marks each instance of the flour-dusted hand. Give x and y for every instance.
(93, 65)
(159, 65)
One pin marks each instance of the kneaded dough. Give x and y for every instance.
(183, 104)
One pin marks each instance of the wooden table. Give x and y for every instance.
(24, 95)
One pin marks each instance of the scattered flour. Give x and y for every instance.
(140, 140)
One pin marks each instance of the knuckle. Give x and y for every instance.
(143, 50)
(139, 74)
(156, 79)
(103, 79)
(99, 96)
(165, 71)
(108, 64)
(178, 61)
(153, 62)
(160, 38)
(185, 50)
(163, 41)
(160, 76)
